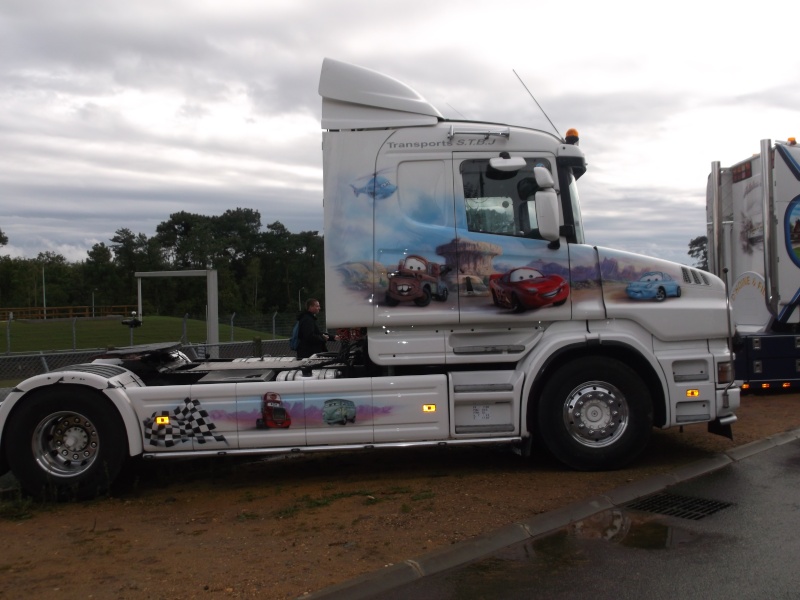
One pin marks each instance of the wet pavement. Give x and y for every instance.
(724, 528)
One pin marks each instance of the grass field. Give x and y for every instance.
(36, 336)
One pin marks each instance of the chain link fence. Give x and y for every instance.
(233, 328)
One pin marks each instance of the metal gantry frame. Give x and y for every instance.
(212, 301)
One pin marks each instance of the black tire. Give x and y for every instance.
(661, 294)
(442, 295)
(65, 442)
(595, 414)
(516, 305)
(678, 292)
(425, 299)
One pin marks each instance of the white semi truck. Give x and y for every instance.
(753, 216)
(531, 334)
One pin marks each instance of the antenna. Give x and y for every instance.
(459, 114)
(558, 134)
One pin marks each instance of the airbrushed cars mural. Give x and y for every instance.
(526, 288)
(273, 414)
(653, 285)
(339, 410)
(416, 280)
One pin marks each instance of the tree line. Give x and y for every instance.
(260, 269)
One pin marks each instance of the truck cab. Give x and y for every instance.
(532, 333)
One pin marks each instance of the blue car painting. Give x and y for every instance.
(653, 285)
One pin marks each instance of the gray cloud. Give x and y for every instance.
(117, 114)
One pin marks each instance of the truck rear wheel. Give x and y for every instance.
(65, 442)
(595, 414)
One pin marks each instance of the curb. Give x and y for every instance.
(390, 577)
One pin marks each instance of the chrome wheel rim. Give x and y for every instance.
(65, 444)
(596, 414)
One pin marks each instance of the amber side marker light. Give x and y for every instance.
(745, 386)
(692, 393)
(786, 384)
(428, 408)
(764, 386)
(162, 420)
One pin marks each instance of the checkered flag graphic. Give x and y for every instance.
(184, 423)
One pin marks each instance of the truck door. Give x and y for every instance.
(505, 269)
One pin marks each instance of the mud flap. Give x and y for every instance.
(719, 429)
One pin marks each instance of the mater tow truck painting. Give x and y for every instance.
(417, 280)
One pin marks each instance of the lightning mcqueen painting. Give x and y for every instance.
(525, 288)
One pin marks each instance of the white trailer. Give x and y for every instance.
(753, 215)
(532, 333)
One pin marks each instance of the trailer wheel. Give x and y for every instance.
(595, 414)
(65, 442)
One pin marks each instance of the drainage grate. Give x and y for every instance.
(679, 506)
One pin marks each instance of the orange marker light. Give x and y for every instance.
(572, 136)
(428, 408)
(162, 420)
(692, 393)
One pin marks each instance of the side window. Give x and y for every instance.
(422, 193)
(500, 202)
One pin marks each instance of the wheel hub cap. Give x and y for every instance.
(65, 444)
(596, 413)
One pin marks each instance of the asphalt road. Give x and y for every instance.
(725, 528)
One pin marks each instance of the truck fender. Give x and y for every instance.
(113, 391)
(570, 339)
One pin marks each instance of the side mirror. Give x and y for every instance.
(547, 214)
(546, 205)
(543, 178)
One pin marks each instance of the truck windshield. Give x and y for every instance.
(575, 203)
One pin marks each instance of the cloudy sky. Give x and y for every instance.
(116, 114)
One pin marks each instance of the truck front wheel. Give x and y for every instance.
(595, 414)
(65, 442)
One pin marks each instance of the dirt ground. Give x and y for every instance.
(280, 529)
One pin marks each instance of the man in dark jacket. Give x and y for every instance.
(310, 340)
